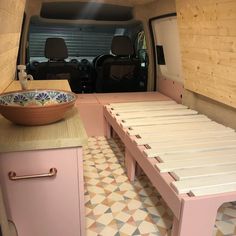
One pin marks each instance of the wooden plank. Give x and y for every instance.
(139, 130)
(144, 120)
(182, 174)
(200, 147)
(148, 108)
(178, 141)
(178, 144)
(211, 90)
(156, 113)
(207, 40)
(203, 161)
(8, 41)
(135, 104)
(230, 187)
(184, 137)
(162, 121)
(185, 186)
(167, 121)
(171, 134)
(11, 15)
(212, 42)
(12, 23)
(190, 156)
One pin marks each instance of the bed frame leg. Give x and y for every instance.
(130, 164)
(107, 129)
(197, 218)
(175, 227)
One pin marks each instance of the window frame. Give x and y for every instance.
(151, 30)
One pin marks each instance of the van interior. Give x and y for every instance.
(117, 117)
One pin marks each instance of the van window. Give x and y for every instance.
(83, 41)
(80, 41)
(166, 38)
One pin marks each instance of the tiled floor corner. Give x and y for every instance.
(116, 207)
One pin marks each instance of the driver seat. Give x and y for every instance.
(56, 67)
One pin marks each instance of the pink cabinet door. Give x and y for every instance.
(50, 206)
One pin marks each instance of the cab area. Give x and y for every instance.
(97, 47)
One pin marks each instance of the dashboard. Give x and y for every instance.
(85, 70)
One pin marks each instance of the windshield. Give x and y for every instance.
(82, 41)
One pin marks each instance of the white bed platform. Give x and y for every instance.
(190, 159)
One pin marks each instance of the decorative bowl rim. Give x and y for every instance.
(39, 107)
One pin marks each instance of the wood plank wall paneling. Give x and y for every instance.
(11, 15)
(208, 46)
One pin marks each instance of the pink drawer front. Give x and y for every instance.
(49, 205)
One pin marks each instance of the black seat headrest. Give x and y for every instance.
(122, 46)
(55, 49)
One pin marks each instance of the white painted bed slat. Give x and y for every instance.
(230, 187)
(171, 141)
(196, 163)
(161, 118)
(210, 125)
(136, 104)
(179, 112)
(182, 174)
(185, 186)
(192, 156)
(182, 117)
(184, 137)
(191, 143)
(192, 132)
(162, 122)
(152, 107)
(199, 153)
(155, 152)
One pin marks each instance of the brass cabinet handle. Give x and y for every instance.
(13, 176)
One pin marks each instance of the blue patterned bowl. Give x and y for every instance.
(36, 107)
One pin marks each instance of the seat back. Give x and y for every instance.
(121, 72)
(56, 67)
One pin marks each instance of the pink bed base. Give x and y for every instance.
(193, 216)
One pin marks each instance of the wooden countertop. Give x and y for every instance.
(68, 132)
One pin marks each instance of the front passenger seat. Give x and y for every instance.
(120, 73)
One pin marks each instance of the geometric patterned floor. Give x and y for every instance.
(116, 207)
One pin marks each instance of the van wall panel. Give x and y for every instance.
(11, 15)
(144, 13)
(8, 41)
(9, 22)
(224, 44)
(208, 46)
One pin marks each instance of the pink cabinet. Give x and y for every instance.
(47, 206)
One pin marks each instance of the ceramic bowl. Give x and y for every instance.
(36, 107)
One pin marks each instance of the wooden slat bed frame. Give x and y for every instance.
(190, 159)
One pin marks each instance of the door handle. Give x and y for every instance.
(13, 176)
